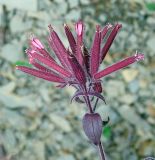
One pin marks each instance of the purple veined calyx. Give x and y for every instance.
(92, 125)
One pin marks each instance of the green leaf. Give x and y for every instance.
(150, 6)
(107, 132)
(23, 63)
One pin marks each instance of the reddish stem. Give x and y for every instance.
(87, 100)
(101, 151)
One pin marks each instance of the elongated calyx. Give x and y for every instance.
(77, 65)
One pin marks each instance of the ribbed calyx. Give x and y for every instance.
(77, 65)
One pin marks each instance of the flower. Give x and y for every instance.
(77, 65)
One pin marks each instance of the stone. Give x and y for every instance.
(102, 17)
(85, 2)
(133, 86)
(73, 3)
(9, 140)
(114, 88)
(29, 5)
(2, 23)
(12, 118)
(133, 38)
(17, 20)
(15, 101)
(130, 115)
(151, 20)
(151, 110)
(39, 150)
(123, 34)
(44, 94)
(60, 122)
(127, 99)
(145, 93)
(150, 44)
(66, 157)
(129, 74)
(71, 140)
(89, 10)
(146, 147)
(12, 52)
(143, 83)
(62, 7)
(70, 90)
(73, 15)
(7, 88)
(130, 154)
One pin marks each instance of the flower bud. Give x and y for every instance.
(35, 42)
(79, 27)
(92, 125)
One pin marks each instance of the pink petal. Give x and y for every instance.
(41, 74)
(95, 52)
(58, 45)
(35, 42)
(51, 64)
(109, 41)
(77, 69)
(86, 59)
(41, 51)
(71, 38)
(105, 30)
(119, 65)
(41, 67)
(46, 54)
(79, 28)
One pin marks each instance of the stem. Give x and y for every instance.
(89, 104)
(95, 104)
(101, 151)
(87, 100)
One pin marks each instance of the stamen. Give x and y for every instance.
(139, 56)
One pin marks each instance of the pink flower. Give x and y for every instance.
(78, 66)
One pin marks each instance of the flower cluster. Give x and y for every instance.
(77, 65)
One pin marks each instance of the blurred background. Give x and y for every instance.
(37, 121)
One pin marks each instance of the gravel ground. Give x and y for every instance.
(39, 123)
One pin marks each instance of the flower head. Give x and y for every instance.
(78, 66)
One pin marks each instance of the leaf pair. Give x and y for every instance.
(79, 93)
